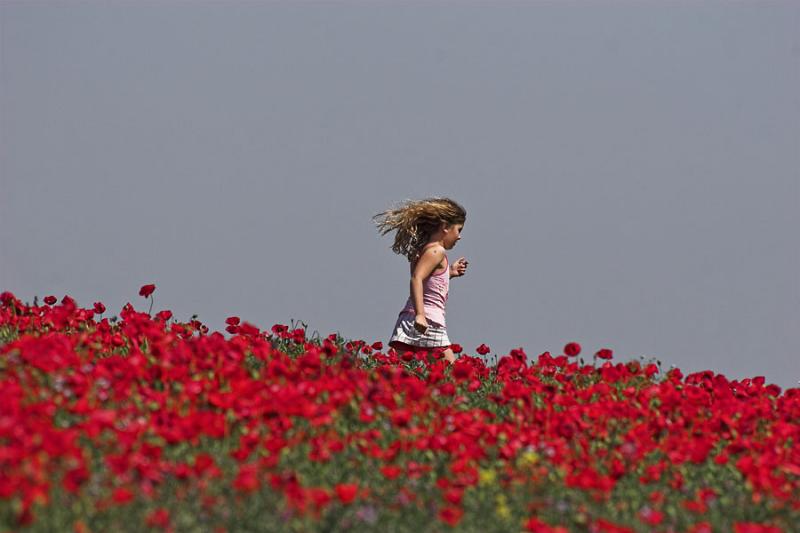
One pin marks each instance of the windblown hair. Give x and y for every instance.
(416, 221)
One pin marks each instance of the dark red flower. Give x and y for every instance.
(572, 349)
(482, 349)
(232, 320)
(605, 353)
(50, 300)
(451, 515)
(401, 417)
(99, 308)
(75, 478)
(147, 290)
(462, 370)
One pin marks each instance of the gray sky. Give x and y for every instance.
(631, 170)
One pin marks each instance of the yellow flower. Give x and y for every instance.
(502, 509)
(486, 476)
(528, 458)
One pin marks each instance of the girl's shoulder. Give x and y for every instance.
(427, 247)
(442, 264)
(431, 245)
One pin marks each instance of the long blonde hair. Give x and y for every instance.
(415, 222)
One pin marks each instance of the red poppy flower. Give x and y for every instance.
(651, 516)
(454, 496)
(159, 517)
(75, 478)
(572, 349)
(391, 472)
(451, 515)
(147, 290)
(122, 495)
(50, 300)
(401, 417)
(605, 353)
(534, 525)
(247, 479)
(462, 370)
(246, 328)
(346, 492)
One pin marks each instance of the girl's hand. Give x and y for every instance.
(459, 268)
(421, 323)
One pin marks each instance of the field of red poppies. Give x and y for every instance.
(140, 421)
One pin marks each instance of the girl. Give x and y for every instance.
(425, 229)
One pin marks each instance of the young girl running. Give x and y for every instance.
(425, 229)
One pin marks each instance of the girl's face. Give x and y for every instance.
(452, 234)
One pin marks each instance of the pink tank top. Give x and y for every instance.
(434, 296)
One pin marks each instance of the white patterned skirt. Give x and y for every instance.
(404, 331)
